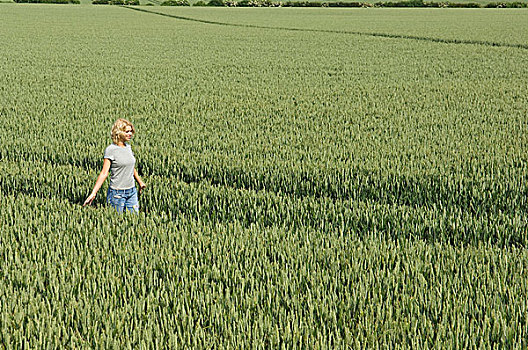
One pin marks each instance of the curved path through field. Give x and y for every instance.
(382, 35)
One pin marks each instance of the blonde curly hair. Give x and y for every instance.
(118, 130)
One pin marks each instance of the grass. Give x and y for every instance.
(311, 184)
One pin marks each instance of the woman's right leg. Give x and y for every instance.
(115, 199)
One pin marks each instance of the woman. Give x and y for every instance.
(120, 162)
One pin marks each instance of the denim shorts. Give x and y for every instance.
(121, 199)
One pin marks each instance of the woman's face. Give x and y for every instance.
(128, 133)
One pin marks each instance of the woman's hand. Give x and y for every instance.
(142, 186)
(89, 200)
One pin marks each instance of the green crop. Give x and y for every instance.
(317, 178)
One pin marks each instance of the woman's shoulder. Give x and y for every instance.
(110, 149)
(111, 146)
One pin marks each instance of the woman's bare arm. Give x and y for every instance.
(100, 180)
(140, 182)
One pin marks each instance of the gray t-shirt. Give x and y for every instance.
(122, 166)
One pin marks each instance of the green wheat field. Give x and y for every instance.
(317, 178)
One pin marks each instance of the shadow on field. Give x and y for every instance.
(431, 209)
(464, 207)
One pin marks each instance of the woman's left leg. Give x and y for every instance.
(132, 202)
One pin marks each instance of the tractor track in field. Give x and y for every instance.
(378, 35)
